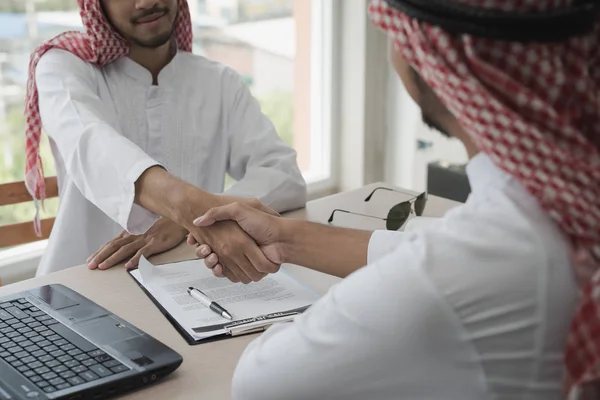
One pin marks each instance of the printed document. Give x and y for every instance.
(277, 297)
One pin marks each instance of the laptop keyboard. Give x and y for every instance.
(48, 353)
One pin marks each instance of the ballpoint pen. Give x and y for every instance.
(204, 299)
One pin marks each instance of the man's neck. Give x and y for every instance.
(154, 60)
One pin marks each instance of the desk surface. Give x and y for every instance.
(207, 369)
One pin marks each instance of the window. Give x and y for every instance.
(280, 48)
(18, 36)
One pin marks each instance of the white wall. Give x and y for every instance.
(193, 6)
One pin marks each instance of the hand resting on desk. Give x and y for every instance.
(162, 236)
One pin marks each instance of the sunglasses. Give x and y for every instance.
(398, 214)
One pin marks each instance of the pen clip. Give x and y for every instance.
(239, 332)
(259, 324)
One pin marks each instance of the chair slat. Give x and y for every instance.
(17, 234)
(16, 192)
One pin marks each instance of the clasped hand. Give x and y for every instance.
(244, 255)
(264, 229)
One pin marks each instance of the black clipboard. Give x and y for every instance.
(275, 317)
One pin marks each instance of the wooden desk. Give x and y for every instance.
(208, 368)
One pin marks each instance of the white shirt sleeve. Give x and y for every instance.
(103, 164)
(379, 334)
(264, 166)
(383, 243)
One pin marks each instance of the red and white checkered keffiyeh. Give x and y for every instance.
(535, 110)
(100, 44)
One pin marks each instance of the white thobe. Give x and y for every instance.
(108, 125)
(476, 306)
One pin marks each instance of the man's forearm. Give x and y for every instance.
(335, 251)
(164, 194)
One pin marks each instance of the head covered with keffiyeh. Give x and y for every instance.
(534, 108)
(112, 28)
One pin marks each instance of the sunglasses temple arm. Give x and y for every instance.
(389, 190)
(380, 188)
(353, 213)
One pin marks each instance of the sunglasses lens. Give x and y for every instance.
(398, 216)
(420, 204)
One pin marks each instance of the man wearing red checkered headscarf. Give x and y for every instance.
(500, 298)
(126, 100)
(534, 109)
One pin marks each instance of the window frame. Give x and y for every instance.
(362, 65)
(322, 177)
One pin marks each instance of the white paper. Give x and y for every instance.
(168, 284)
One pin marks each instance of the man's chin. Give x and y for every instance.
(153, 42)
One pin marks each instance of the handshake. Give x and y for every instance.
(240, 239)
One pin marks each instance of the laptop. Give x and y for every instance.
(57, 344)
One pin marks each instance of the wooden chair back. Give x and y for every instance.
(22, 233)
